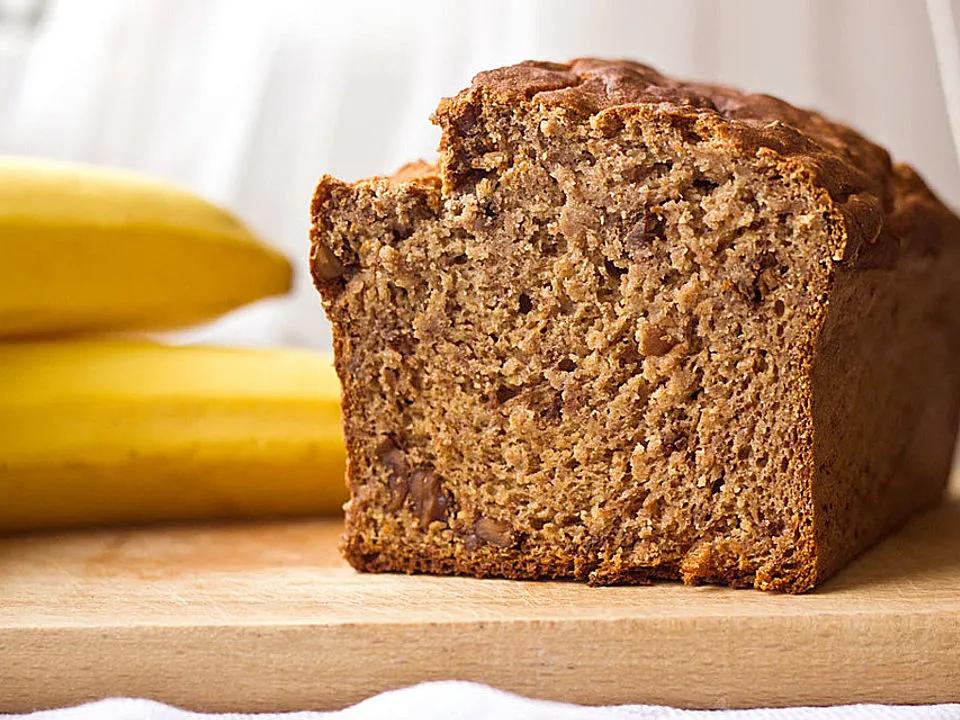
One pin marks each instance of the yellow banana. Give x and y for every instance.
(87, 249)
(123, 431)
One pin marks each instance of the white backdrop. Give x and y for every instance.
(249, 102)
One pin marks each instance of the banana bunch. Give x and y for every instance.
(106, 429)
(89, 250)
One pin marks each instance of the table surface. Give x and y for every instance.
(266, 616)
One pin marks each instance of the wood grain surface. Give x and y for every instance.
(266, 616)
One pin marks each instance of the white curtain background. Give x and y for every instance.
(248, 102)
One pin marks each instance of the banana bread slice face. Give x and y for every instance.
(632, 328)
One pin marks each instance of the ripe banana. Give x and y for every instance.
(85, 249)
(123, 431)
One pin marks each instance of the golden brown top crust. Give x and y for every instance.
(857, 175)
(841, 157)
(863, 187)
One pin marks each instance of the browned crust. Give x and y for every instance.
(844, 161)
(916, 228)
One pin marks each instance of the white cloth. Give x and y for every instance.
(469, 701)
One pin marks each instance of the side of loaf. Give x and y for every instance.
(632, 328)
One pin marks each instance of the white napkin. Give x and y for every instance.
(469, 701)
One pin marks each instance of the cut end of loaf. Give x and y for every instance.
(586, 346)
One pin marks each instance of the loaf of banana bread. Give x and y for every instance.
(634, 328)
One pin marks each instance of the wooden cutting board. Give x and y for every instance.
(266, 616)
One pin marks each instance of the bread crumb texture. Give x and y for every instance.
(631, 328)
